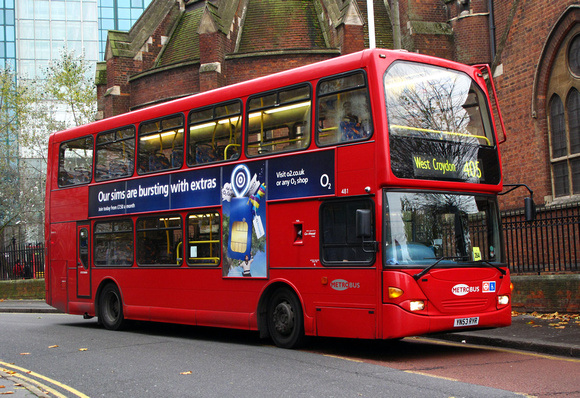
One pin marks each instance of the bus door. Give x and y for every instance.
(83, 260)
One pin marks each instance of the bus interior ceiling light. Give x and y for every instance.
(287, 108)
(160, 135)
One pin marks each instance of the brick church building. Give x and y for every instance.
(180, 47)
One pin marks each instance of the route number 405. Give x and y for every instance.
(472, 169)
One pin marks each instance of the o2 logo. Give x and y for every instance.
(241, 180)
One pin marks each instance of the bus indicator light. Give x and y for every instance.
(395, 292)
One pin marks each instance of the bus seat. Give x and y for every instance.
(351, 131)
(204, 153)
(177, 158)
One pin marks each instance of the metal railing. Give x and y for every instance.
(22, 261)
(550, 243)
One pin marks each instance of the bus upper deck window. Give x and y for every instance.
(160, 145)
(215, 133)
(343, 110)
(115, 153)
(75, 162)
(279, 121)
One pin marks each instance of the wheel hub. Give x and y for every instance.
(283, 318)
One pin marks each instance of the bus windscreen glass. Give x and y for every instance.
(424, 228)
(440, 125)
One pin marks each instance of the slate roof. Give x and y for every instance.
(267, 25)
(281, 25)
(184, 43)
(383, 26)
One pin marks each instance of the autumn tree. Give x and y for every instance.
(63, 97)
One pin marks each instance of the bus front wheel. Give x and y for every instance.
(111, 308)
(285, 319)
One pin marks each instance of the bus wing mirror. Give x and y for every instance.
(363, 223)
(529, 209)
(529, 205)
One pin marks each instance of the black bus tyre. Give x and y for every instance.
(111, 308)
(285, 319)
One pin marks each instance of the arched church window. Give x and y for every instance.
(573, 106)
(563, 111)
(574, 55)
(558, 128)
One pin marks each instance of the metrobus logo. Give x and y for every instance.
(341, 284)
(462, 289)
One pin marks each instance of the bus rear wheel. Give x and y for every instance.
(111, 308)
(285, 319)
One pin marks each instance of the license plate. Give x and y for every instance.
(459, 322)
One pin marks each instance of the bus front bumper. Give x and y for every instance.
(398, 323)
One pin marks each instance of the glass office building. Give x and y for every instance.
(32, 32)
(7, 34)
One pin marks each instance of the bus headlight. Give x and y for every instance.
(417, 305)
(503, 300)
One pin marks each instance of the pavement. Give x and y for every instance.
(550, 334)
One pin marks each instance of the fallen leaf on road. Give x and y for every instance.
(83, 349)
(52, 346)
(186, 373)
(24, 353)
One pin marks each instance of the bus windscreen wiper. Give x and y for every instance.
(420, 274)
(492, 265)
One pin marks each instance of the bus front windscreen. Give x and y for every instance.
(424, 228)
(439, 124)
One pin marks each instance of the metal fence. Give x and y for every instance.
(22, 261)
(550, 243)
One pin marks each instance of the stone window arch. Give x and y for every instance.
(563, 114)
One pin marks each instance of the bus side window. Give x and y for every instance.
(75, 163)
(338, 239)
(343, 110)
(160, 145)
(279, 121)
(113, 242)
(203, 239)
(214, 133)
(115, 153)
(158, 240)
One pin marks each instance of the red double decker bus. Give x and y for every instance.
(355, 197)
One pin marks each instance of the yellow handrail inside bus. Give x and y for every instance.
(228, 147)
(177, 251)
(398, 126)
(275, 143)
(167, 235)
(214, 260)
